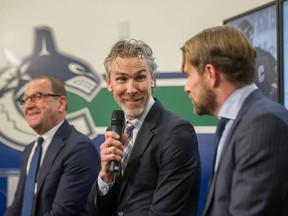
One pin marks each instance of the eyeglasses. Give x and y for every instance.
(36, 96)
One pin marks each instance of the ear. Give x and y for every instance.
(108, 83)
(153, 82)
(212, 74)
(63, 103)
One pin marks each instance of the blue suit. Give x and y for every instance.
(162, 176)
(252, 177)
(65, 178)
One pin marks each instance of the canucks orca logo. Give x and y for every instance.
(78, 77)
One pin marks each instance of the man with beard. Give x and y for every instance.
(162, 175)
(250, 176)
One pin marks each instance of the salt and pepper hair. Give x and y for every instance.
(131, 48)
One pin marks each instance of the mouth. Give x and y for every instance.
(32, 114)
(191, 98)
(132, 100)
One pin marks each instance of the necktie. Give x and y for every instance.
(127, 146)
(220, 128)
(30, 180)
(219, 131)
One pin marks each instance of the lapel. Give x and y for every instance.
(143, 139)
(24, 163)
(26, 155)
(250, 99)
(54, 148)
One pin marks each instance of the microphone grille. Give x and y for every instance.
(117, 117)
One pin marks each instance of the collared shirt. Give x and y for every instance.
(48, 136)
(137, 122)
(230, 110)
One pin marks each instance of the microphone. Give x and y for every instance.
(117, 122)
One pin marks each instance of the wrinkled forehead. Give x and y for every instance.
(129, 63)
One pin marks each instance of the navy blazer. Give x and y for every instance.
(162, 176)
(66, 176)
(252, 177)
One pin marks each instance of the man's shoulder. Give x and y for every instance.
(71, 135)
(258, 104)
(169, 119)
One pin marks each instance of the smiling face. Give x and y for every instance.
(131, 83)
(45, 112)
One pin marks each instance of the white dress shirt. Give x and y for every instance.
(48, 136)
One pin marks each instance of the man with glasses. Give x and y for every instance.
(67, 162)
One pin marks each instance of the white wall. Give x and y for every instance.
(88, 28)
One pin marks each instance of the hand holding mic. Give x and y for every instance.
(117, 123)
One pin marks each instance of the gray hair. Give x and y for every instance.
(131, 48)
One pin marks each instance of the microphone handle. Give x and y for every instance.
(114, 165)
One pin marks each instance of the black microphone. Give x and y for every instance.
(117, 123)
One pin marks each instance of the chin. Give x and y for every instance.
(198, 111)
(133, 112)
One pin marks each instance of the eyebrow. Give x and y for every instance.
(136, 73)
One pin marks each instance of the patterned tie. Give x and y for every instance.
(127, 146)
(219, 131)
(30, 180)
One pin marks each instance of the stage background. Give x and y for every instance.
(70, 39)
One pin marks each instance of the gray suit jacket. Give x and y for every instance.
(252, 176)
(66, 176)
(162, 176)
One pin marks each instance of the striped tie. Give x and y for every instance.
(127, 146)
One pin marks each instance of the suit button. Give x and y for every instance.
(120, 213)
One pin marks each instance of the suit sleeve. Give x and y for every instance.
(164, 179)
(102, 205)
(259, 185)
(79, 172)
(179, 173)
(16, 206)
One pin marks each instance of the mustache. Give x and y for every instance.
(132, 97)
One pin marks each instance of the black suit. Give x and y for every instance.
(65, 178)
(162, 176)
(252, 177)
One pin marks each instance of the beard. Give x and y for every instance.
(207, 103)
(133, 111)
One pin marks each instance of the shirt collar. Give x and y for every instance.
(50, 134)
(137, 122)
(234, 102)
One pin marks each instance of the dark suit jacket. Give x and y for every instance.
(252, 177)
(162, 176)
(66, 176)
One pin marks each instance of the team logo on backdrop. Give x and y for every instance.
(78, 77)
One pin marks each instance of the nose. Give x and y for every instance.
(131, 87)
(186, 87)
(28, 103)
